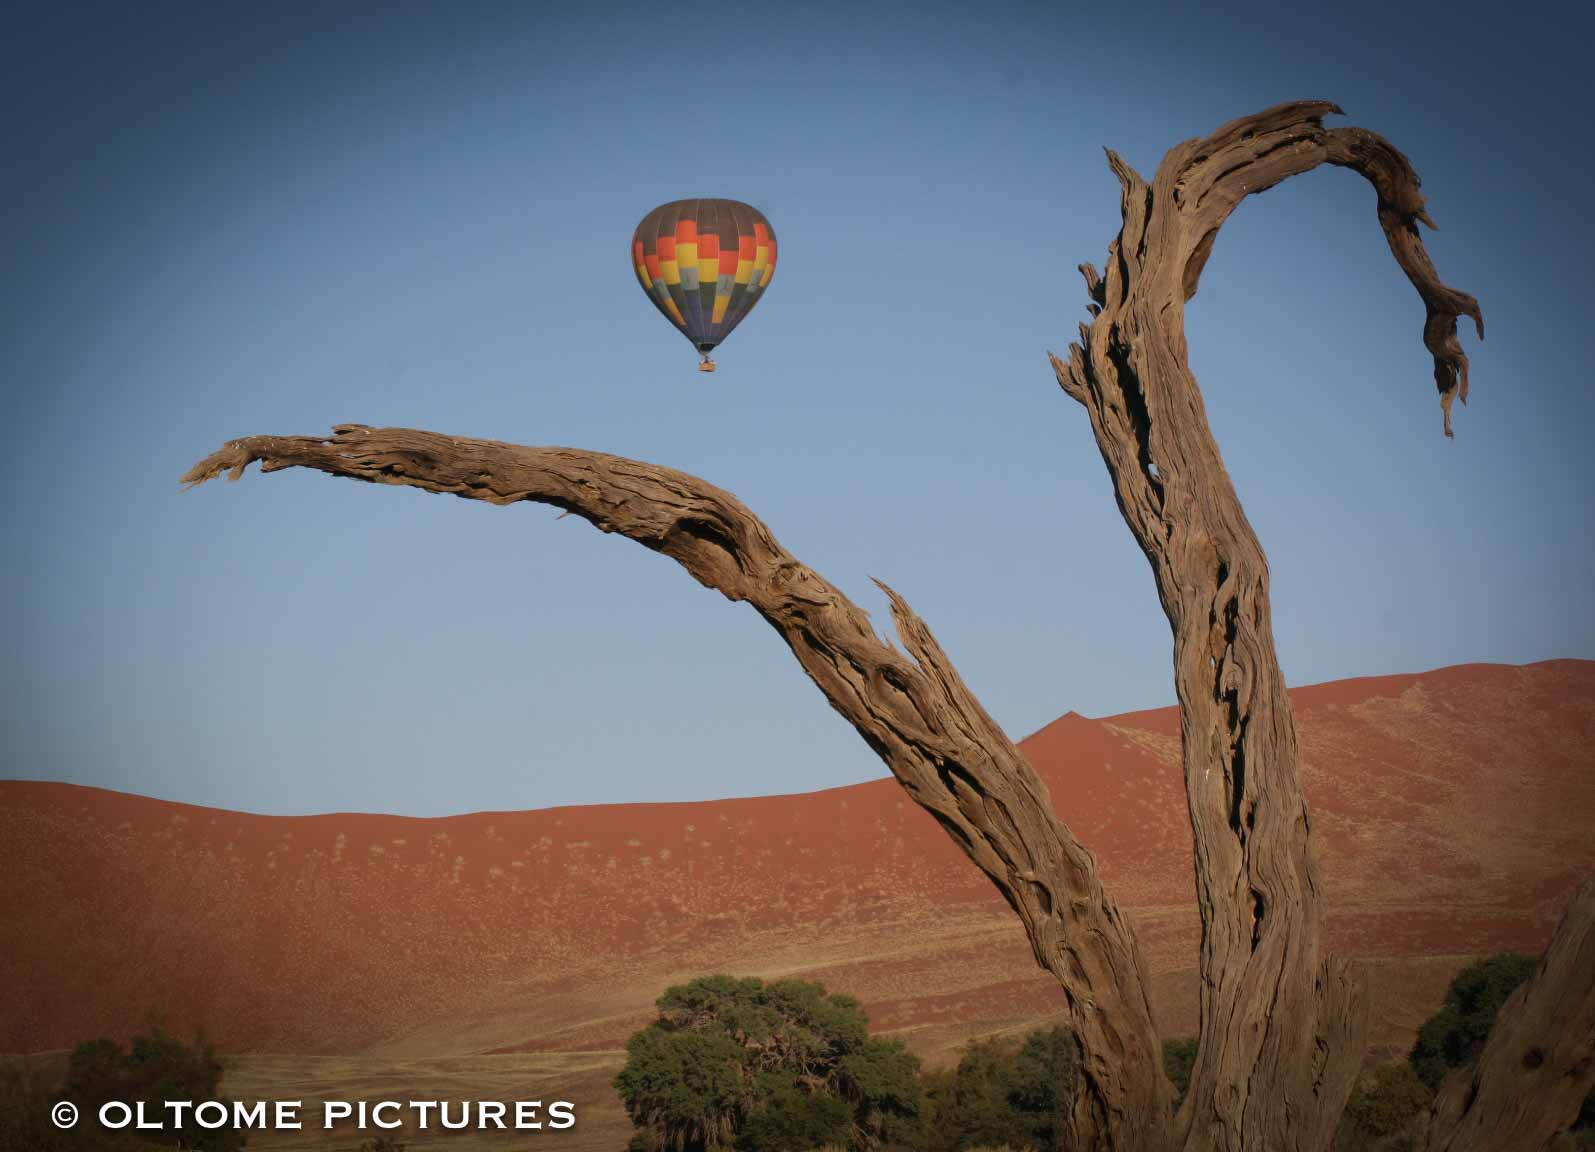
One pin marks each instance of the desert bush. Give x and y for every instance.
(155, 1067)
(793, 1120)
(1005, 1093)
(784, 1067)
(1043, 1086)
(778, 1067)
(1455, 1035)
(27, 1092)
(1385, 1114)
(1179, 1056)
(974, 1111)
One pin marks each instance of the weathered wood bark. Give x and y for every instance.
(913, 710)
(1539, 1062)
(1282, 1022)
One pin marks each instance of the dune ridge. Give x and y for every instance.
(1452, 807)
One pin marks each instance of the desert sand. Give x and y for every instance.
(508, 955)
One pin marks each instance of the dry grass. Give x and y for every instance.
(1402, 992)
(583, 1078)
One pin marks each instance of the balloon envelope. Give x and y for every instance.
(704, 264)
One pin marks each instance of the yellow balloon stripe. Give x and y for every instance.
(704, 263)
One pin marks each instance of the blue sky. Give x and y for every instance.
(229, 219)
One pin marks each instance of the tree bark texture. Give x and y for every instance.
(1539, 1062)
(913, 710)
(1282, 1022)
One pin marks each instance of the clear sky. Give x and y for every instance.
(226, 219)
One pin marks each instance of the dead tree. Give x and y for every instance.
(1282, 1021)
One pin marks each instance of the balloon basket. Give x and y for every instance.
(706, 365)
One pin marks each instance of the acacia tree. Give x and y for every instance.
(1282, 1021)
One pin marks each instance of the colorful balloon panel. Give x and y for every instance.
(704, 264)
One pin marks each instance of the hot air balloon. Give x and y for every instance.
(704, 264)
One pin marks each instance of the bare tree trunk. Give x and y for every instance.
(1539, 1062)
(1282, 1022)
(914, 711)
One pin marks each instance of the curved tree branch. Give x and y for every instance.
(1254, 154)
(1539, 1062)
(1281, 1021)
(913, 710)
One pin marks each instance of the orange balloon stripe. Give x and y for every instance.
(707, 263)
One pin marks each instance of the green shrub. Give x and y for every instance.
(1005, 1093)
(779, 1067)
(684, 1087)
(1042, 1087)
(977, 1113)
(792, 1120)
(27, 1093)
(1179, 1057)
(1385, 1114)
(1455, 1035)
(153, 1069)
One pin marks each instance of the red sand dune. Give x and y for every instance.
(1453, 811)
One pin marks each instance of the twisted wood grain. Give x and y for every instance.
(1282, 1021)
(912, 708)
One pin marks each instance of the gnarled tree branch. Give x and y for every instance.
(1254, 154)
(1281, 1021)
(913, 710)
